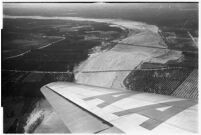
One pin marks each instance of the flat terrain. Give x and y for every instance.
(143, 44)
(55, 47)
(88, 51)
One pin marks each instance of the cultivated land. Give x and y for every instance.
(30, 66)
(143, 44)
(101, 52)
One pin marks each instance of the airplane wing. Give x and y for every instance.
(89, 109)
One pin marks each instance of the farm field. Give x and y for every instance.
(37, 52)
(146, 47)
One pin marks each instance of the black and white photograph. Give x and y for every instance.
(99, 67)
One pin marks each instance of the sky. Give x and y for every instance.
(153, 13)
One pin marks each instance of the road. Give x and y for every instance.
(26, 52)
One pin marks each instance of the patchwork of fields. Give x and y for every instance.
(133, 55)
(37, 52)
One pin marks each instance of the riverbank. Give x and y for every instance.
(25, 74)
(125, 56)
(122, 56)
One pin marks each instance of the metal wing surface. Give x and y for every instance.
(89, 109)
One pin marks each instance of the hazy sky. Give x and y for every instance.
(154, 13)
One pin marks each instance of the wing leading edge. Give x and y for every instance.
(89, 109)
